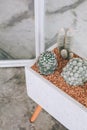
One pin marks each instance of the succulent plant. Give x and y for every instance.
(68, 40)
(64, 53)
(47, 63)
(64, 42)
(61, 39)
(75, 72)
(71, 55)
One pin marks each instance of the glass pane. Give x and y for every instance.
(67, 14)
(17, 29)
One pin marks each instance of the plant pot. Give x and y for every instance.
(64, 108)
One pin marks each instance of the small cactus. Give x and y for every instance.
(64, 43)
(61, 39)
(64, 53)
(75, 72)
(68, 40)
(47, 63)
(71, 55)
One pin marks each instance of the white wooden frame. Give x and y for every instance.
(39, 38)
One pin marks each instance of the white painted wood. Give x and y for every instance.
(61, 106)
(41, 14)
(16, 63)
(37, 28)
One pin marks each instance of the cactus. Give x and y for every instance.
(75, 72)
(68, 40)
(64, 42)
(71, 55)
(47, 63)
(64, 53)
(61, 39)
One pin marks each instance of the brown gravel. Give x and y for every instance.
(77, 92)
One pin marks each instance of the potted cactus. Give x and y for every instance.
(64, 42)
(75, 72)
(47, 63)
(59, 83)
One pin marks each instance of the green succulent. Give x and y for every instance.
(47, 63)
(75, 72)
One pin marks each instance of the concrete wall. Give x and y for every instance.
(17, 29)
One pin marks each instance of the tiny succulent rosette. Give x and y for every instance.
(47, 63)
(75, 72)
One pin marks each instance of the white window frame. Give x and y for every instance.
(39, 38)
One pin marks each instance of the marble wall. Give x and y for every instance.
(67, 13)
(17, 25)
(17, 29)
